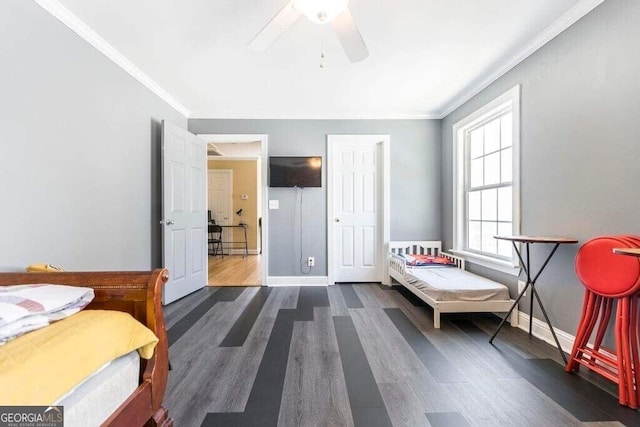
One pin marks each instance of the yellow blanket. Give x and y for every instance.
(41, 366)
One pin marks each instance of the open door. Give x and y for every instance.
(184, 211)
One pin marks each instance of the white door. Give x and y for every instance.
(356, 212)
(184, 211)
(219, 195)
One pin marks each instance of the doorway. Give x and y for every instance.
(235, 196)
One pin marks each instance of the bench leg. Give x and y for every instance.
(436, 318)
(514, 318)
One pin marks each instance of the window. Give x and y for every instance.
(486, 181)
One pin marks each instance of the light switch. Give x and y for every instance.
(274, 204)
(245, 197)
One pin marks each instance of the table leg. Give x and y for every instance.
(528, 269)
(515, 304)
(246, 245)
(532, 283)
(544, 312)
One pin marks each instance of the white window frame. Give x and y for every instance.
(459, 204)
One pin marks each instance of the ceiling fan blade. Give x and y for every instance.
(274, 29)
(350, 36)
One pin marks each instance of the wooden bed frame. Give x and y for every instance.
(397, 271)
(137, 293)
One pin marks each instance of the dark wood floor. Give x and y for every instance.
(364, 355)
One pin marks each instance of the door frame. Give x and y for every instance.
(383, 245)
(264, 165)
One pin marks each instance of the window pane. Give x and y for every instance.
(505, 247)
(505, 205)
(477, 173)
(489, 142)
(492, 136)
(506, 130)
(474, 205)
(475, 145)
(474, 235)
(492, 169)
(506, 165)
(490, 205)
(489, 244)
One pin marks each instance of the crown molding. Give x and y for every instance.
(567, 19)
(65, 16)
(76, 25)
(303, 116)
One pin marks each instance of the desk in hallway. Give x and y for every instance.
(234, 242)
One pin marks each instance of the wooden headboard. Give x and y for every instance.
(140, 294)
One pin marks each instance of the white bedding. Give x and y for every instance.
(454, 284)
(25, 308)
(93, 400)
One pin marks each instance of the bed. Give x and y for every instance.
(447, 288)
(136, 293)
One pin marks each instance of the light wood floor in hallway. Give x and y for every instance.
(235, 270)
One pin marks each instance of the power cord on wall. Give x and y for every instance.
(302, 267)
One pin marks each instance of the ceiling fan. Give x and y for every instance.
(335, 12)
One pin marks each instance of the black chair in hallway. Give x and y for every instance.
(215, 240)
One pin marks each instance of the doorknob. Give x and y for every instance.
(337, 219)
(167, 222)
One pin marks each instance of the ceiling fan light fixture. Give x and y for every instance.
(320, 11)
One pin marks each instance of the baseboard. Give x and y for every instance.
(241, 252)
(297, 281)
(541, 330)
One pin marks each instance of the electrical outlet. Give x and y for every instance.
(521, 285)
(311, 261)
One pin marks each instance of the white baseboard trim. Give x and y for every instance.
(541, 330)
(297, 281)
(241, 252)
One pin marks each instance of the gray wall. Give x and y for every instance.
(580, 154)
(79, 171)
(415, 182)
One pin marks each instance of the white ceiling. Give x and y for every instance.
(426, 56)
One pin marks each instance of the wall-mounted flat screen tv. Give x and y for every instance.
(295, 172)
